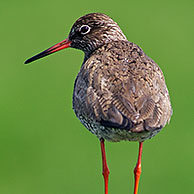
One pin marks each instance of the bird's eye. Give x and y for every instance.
(84, 29)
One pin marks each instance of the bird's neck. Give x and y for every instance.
(90, 49)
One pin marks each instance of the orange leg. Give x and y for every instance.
(105, 171)
(137, 169)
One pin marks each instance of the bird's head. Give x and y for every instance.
(88, 33)
(93, 30)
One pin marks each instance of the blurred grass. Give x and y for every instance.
(43, 147)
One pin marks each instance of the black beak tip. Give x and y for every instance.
(30, 60)
(26, 62)
(38, 56)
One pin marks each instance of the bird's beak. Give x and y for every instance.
(57, 47)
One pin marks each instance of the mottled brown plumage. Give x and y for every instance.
(119, 93)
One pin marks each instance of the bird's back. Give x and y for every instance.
(120, 93)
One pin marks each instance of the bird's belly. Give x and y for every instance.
(116, 134)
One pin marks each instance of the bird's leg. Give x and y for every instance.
(105, 171)
(137, 169)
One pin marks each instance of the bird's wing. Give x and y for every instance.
(132, 97)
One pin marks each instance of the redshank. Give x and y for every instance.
(119, 93)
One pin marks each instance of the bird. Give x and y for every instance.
(120, 93)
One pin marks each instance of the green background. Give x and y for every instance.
(44, 149)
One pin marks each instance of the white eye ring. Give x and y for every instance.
(84, 29)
